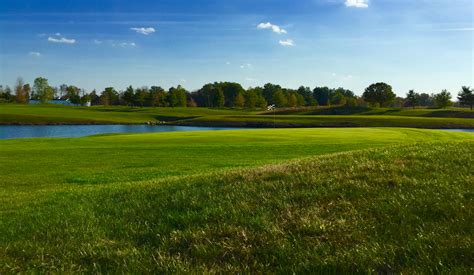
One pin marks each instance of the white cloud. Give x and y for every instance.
(357, 3)
(246, 66)
(287, 43)
(124, 44)
(274, 28)
(35, 54)
(98, 42)
(62, 40)
(227, 63)
(144, 31)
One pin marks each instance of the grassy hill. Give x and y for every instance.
(305, 117)
(365, 111)
(297, 121)
(56, 114)
(299, 200)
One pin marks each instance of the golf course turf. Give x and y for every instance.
(274, 200)
(452, 118)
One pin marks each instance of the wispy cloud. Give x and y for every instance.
(458, 30)
(98, 42)
(246, 66)
(61, 40)
(124, 44)
(270, 26)
(144, 31)
(287, 43)
(357, 3)
(34, 54)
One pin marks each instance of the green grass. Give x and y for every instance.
(308, 117)
(296, 200)
(417, 112)
(289, 121)
(55, 114)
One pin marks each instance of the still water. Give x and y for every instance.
(42, 131)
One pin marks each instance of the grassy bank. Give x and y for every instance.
(291, 121)
(55, 114)
(296, 200)
(312, 117)
(368, 111)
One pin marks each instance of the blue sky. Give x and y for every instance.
(425, 45)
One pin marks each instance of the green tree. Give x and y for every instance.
(261, 102)
(109, 97)
(300, 100)
(86, 98)
(413, 99)
(269, 91)
(351, 101)
(307, 95)
(177, 97)
(230, 90)
(205, 96)
(443, 99)
(239, 100)
(157, 97)
(338, 99)
(466, 97)
(95, 99)
(27, 91)
(128, 96)
(42, 91)
(292, 100)
(219, 98)
(426, 100)
(73, 94)
(322, 95)
(279, 99)
(6, 94)
(379, 94)
(251, 97)
(140, 97)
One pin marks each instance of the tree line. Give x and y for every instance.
(231, 95)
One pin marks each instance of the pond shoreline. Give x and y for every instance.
(75, 131)
(240, 124)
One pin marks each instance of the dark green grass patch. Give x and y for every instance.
(364, 111)
(289, 121)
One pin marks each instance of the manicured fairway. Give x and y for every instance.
(287, 118)
(366, 199)
(56, 114)
(290, 121)
(38, 163)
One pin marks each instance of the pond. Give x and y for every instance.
(65, 131)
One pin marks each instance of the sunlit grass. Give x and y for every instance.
(292, 200)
